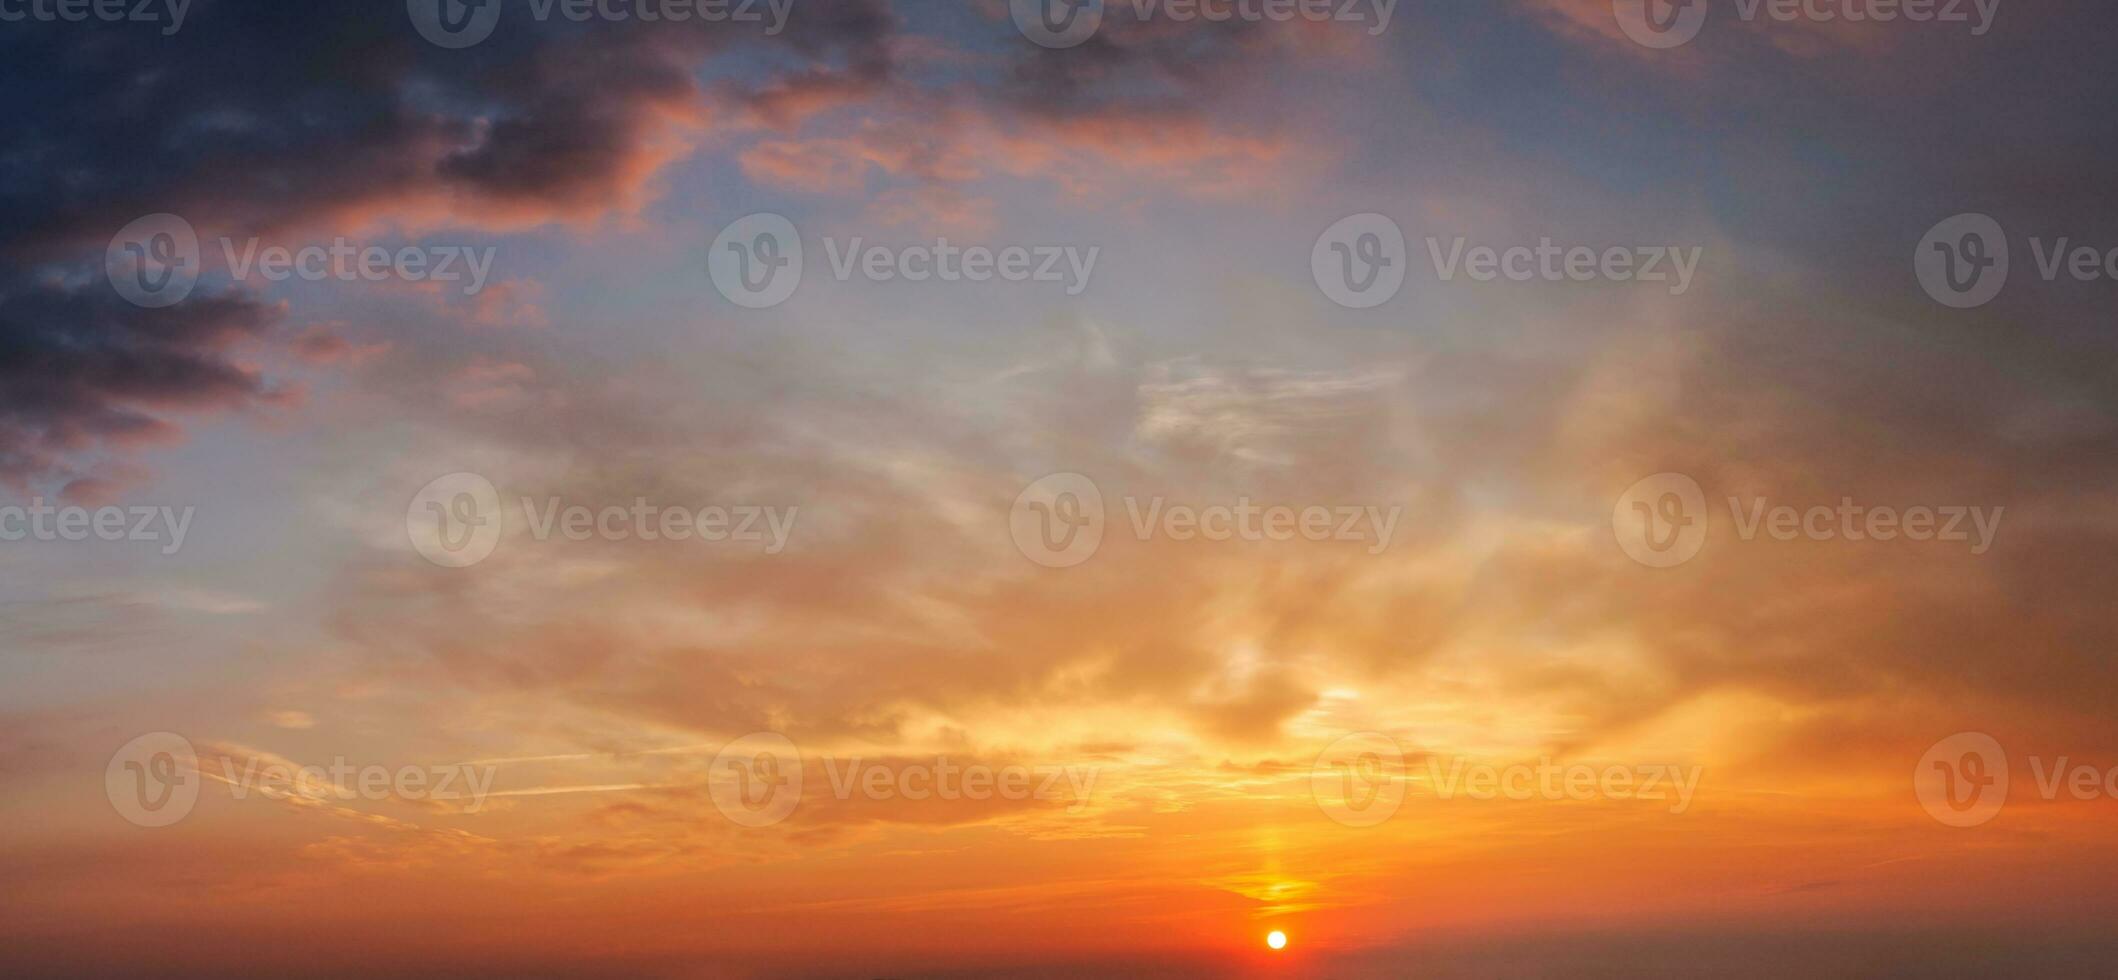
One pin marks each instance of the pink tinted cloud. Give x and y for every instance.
(1596, 22)
(510, 303)
(489, 384)
(936, 158)
(323, 346)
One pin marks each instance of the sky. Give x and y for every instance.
(1519, 488)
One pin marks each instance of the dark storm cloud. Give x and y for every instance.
(1135, 61)
(265, 113)
(260, 117)
(83, 370)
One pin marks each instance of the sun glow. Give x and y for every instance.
(1276, 939)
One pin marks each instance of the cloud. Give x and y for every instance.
(334, 117)
(85, 376)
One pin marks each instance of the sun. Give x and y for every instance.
(1276, 939)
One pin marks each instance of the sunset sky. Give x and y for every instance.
(1188, 738)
